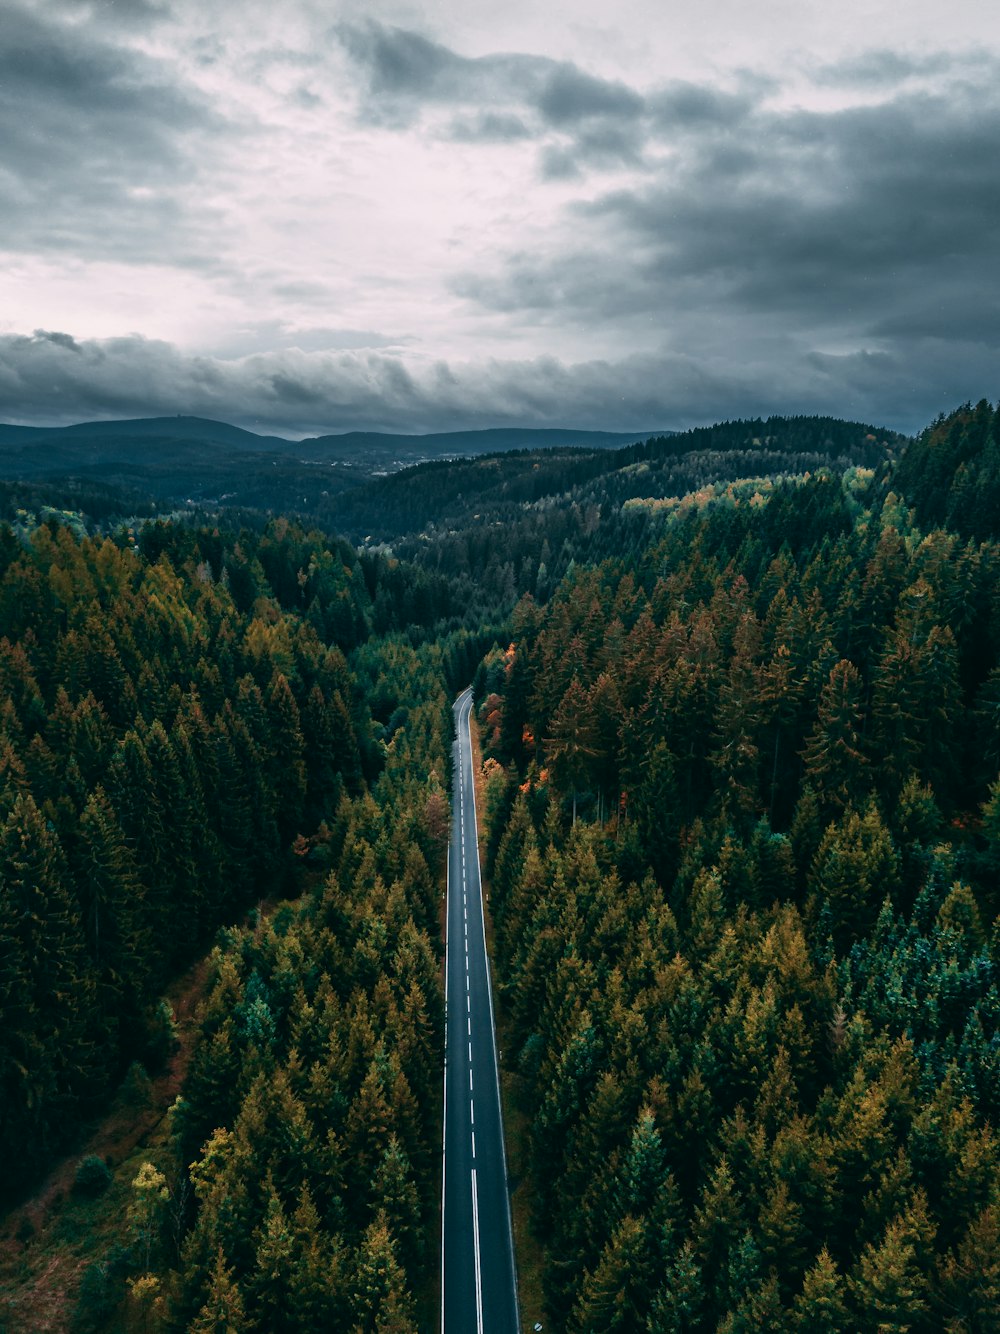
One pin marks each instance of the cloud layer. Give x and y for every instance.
(322, 222)
(52, 377)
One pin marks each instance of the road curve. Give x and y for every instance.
(478, 1281)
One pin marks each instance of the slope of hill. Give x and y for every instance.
(499, 487)
(198, 429)
(191, 460)
(951, 472)
(393, 451)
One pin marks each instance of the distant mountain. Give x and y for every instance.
(462, 444)
(347, 447)
(191, 460)
(475, 492)
(383, 487)
(198, 430)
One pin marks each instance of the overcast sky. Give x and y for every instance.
(309, 216)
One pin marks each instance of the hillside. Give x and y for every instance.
(500, 487)
(179, 458)
(738, 697)
(382, 488)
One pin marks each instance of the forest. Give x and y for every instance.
(739, 700)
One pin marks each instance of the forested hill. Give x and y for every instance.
(387, 450)
(743, 812)
(137, 468)
(497, 489)
(740, 700)
(181, 739)
(951, 472)
(189, 460)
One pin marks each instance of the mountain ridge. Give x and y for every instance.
(208, 430)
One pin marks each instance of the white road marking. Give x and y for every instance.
(465, 766)
(475, 1241)
(489, 997)
(444, 1082)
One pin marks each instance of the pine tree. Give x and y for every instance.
(111, 904)
(855, 869)
(572, 746)
(286, 749)
(834, 759)
(617, 1295)
(223, 1311)
(380, 1297)
(50, 1036)
(969, 1296)
(678, 1305)
(317, 1298)
(267, 1288)
(394, 1196)
(820, 1307)
(888, 1287)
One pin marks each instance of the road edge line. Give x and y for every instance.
(493, 1025)
(444, 1075)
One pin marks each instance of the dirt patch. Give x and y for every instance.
(47, 1242)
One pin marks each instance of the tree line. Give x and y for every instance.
(744, 832)
(159, 749)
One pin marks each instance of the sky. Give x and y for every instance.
(316, 216)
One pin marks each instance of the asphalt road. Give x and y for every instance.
(478, 1284)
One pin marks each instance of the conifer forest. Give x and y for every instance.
(737, 718)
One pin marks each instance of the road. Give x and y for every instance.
(478, 1283)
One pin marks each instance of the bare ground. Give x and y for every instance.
(47, 1242)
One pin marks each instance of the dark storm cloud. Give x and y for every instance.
(503, 97)
(604, 146)
(686, 106)
(406, 72)
(826, 223)
(98, 141)
(580, 122)
(54, 378)
(569, 95)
